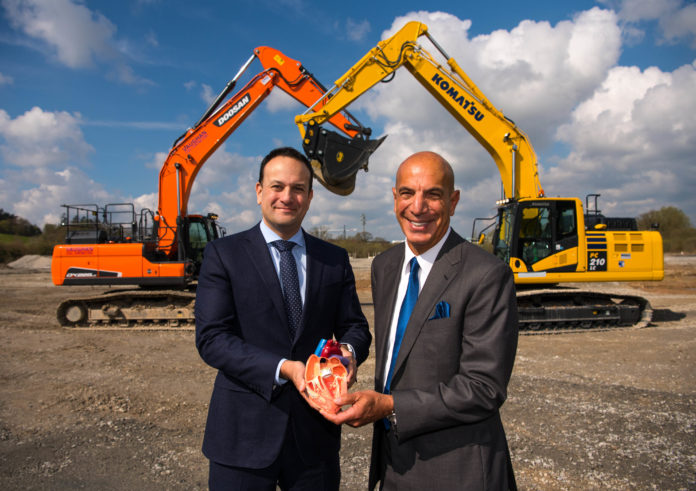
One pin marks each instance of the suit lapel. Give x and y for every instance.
(386, 296)
(441, 275)
(257, 249)
(313, 280)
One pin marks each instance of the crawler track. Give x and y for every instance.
(143, 310)
(567, 310)
(545, 311)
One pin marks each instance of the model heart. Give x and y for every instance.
(326, 379)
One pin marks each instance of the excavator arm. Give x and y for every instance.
(507, 144)
(191, 150)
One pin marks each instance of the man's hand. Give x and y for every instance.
(352, 365)
(294, 371)
(366, 406)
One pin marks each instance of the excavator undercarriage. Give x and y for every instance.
(555, 310)
(547, 311)
(130, 309)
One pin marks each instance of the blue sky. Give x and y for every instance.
(93, 93)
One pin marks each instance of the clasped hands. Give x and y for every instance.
(365, 406)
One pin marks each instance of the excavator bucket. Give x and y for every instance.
(336, 159)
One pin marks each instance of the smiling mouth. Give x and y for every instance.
(415, 224)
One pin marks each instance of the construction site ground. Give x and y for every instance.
(126, 410)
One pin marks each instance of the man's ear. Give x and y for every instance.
(259, 188)
(454, 199)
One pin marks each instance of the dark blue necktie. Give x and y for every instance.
(290, 283)
(404, 315)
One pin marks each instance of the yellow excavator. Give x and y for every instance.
(546, 241)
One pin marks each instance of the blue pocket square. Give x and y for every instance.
(442, 310)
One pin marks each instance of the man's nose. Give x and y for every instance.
(418, 205)
(286, 194)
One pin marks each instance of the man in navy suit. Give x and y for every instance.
(261, 431)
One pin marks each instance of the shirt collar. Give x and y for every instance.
(425, 260)
(270, 236)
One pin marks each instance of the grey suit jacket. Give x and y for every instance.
(451, 373)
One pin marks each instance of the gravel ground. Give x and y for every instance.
(125, 410)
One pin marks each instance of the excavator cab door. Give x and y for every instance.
(337, 159)
(199, 231)
(535, 238)
(546, 228)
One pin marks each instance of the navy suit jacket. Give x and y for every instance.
(242, 330)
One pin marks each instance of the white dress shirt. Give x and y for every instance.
(425, 262)
(299, 252)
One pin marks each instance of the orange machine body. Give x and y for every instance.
(165, 247)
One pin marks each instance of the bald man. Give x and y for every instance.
(445, 341)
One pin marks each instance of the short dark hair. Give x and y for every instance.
(287, 152)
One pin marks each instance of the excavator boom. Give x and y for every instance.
(192, 149)
(506, 143)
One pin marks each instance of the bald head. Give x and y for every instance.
(433, 162)
(424, 199)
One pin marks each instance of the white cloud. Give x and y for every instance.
(151, 39)
(676, 19)
(207, 94)
(42, 203)
(42, 139)
(680, 25)
(78, 35)
(148, 201)
(637, 10)
(357, 30)
(225, 185)
(5, 80)
(536, 73)
(633, 141)
(279, 100)
(157, 160)
(75, 35)
(42, 150)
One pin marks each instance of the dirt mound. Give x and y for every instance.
(31, 261)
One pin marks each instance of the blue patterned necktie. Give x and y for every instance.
(404, 315)
(290, 283)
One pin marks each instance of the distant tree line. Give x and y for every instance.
(19, 237)
(678, 234)
(14, 225)
(361, 244)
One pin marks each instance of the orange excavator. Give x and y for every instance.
(157, 255)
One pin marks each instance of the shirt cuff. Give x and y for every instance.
(351, 349)
(278, 380)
